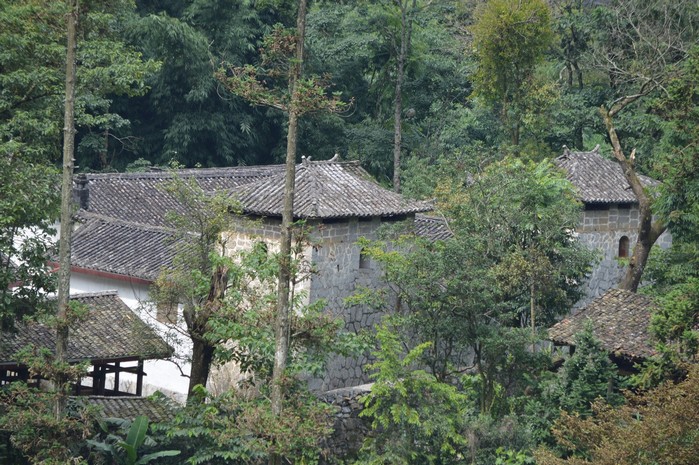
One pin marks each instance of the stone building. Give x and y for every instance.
(124, 239)
(340, 203)
(609, 221)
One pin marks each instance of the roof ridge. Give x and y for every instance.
(567, 152)
(133, 224)
(105, 293)
(334, 162)
(220, 171)
(80, 295)
(426, 217)
(315, 190)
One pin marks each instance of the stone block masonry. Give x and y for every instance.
(339, 271)
(602, 230)
(349, 429)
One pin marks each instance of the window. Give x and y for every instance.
(364, 261)
(623, 247)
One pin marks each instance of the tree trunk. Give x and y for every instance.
(197, 326)
(648, 231)
(66, 211)
(281, 332)
(202, 356)
(402, 57)
(397, 127)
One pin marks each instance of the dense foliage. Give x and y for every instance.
(656, 427)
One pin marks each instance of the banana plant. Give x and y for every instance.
(125, 451)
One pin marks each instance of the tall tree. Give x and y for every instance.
(283, 53)
(199, 279)
(509, 40)
(358, 43)
(643, 46)
(281, 330)
(31, 104)
(406, 10)
(674, 273)
(62, 315)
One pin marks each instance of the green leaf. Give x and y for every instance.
(137, 432)
(163, 453)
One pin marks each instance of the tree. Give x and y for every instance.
(229, 310)
(63, 300)
(509, 39)
(417, 419)
(358, 43)
(183, 116)
(283, 53)
(588, 374)
(31, 104)
(657, 426)
(673, 272)
(201, 273)
(406, 9)
(281, 329)
(28, 208)
(28, 415)
(574, 32)
(581, 91)
(644, 46)
(452, 293)
(238, 426)
(31, 80)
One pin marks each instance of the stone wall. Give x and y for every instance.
(349, 430)
(339, 272)
(337, 258)
(602, 230)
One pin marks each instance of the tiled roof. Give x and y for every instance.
(140, 198)
(327, 189)
(156, 409)
(619, 319)
(125, 248)
(597, 179)
(110, 331)
(432, 228)
(125, 230)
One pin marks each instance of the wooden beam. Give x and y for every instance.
(116, 376)
(139, 378)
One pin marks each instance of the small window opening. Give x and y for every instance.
(262, 247)
(623, 247)
(364, 261)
